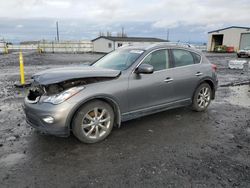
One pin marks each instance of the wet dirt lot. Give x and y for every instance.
(176, 148)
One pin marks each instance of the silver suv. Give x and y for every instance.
(128, 83)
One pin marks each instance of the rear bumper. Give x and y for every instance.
(35, 113)
(215, 84)
(215, 88)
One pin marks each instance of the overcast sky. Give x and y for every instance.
(187, 20)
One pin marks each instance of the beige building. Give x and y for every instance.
(105, 44)
(237, 37)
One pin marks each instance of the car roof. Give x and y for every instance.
(160, 45)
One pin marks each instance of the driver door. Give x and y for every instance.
(149, 90)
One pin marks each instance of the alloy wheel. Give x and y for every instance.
(204, 97)
(96, 123)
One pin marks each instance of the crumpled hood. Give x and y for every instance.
(57, 75)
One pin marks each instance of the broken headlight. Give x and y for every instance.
(63, 96)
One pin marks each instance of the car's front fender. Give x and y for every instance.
(107, 98)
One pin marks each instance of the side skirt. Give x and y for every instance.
(155, 109)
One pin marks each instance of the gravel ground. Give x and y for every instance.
(176, 148)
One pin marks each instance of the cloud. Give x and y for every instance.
(19, 26)
(194, 16)
(163, 13)
(58, 4)
(203, 14)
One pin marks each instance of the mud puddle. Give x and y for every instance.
(240, 95)
(11, 159)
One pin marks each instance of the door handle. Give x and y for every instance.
(198, 74)
(167, 80)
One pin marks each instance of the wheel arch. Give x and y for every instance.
(109, 100)
(210, 82)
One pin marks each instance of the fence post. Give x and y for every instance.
(21, 68)
(38, 48)
(53, 47)
(6, 50)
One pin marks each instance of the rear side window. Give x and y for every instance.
(197, 58)
(158, 59)
(183, 58)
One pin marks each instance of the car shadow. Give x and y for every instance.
(154, 128)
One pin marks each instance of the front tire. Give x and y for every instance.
(202, 97)
(93, 122)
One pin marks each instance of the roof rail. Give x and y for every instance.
(180, 44)
(187, 45)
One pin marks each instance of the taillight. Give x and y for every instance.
(214, 67)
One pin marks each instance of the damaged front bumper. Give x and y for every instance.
(48, 118)
(52, 99)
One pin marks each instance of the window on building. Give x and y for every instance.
(119, 44)
(110, 45)
(182, 58)
(158, 59)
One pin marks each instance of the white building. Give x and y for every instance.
(237, 37)
(107, 44)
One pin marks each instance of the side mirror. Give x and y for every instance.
(145, 69)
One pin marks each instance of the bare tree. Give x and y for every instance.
(109, 34)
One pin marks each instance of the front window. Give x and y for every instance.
(158, 59)
(119, 59)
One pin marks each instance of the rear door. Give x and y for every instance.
(186, 73)
(148, 90)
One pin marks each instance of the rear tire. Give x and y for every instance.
(202, 97)
(93, 122)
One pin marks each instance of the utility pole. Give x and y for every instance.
(168, 35)
(57, 31)
(122, 31)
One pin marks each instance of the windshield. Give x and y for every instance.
(119, 59)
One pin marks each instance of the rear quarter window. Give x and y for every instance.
(197, 58)
(182, 58)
